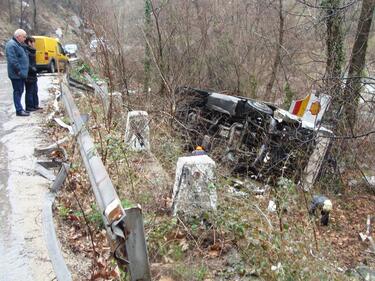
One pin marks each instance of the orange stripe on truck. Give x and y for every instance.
(300, 106)
(304, 104)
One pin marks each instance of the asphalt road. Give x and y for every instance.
(23, 251)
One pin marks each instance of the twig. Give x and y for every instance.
(190, 235)
(162, 76)
(86, 220)
(364, 176)
(351, 137)
(313, 224)
(264, 215)
(372, 243)
(368, 230)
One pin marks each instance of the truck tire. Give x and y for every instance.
(67, 67)
(52, 66)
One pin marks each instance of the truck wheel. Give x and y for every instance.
(52, 66)
(67, 67)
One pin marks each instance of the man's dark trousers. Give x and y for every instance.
(18, 87)
(31, 99)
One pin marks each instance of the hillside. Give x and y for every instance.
(246, 52)
(50, 16)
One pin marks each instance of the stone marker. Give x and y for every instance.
(137, 131)
(194, 191)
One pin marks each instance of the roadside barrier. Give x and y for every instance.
(103, 94)
(124, 227)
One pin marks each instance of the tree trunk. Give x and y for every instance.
(161, 61)
(10, 8)
(34, 17)
(277, 59)
(147, 61)
(334, 41)
(335, 58)
(21, 14)
(357, 64)
(205, 41)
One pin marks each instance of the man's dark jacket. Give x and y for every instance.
(18, 61)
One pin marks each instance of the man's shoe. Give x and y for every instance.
(31, 109)
(38, 108)
(22, 113)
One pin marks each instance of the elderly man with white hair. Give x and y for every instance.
(18, 67)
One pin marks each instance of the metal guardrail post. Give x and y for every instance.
(125, 231)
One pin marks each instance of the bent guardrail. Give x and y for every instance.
(79, 85)
(99, 91)
(124, 227)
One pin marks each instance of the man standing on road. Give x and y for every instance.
(18, 67)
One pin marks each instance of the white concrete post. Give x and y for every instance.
(194, 191)
(316, 160)
(137, 132)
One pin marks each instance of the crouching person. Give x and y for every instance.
(322, 204)
(31, 97)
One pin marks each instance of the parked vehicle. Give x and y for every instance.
(254, 137)
(71, 50)
(50, 55)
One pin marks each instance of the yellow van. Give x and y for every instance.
(50, 54)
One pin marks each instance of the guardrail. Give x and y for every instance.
(99, 91)
(79, 85)
(124, 227)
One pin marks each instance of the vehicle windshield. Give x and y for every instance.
(71, 47)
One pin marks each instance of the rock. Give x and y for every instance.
(271, 206)
(77, 21)
(370, 180)
(353, 183)
(59, 32)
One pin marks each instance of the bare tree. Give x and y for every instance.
(21, 14)
(147, 60)
(10, 9)
(357, 63)
(277, 59)
(35, 26)
(160, 52)
(335, 56)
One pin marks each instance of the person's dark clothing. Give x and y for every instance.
(18, 87)
(317, 203)
(31, 76)
(31, 98)
(18, 66)
(18, 61)
(198, 153)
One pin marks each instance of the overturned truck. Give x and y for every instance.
(252, 137)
